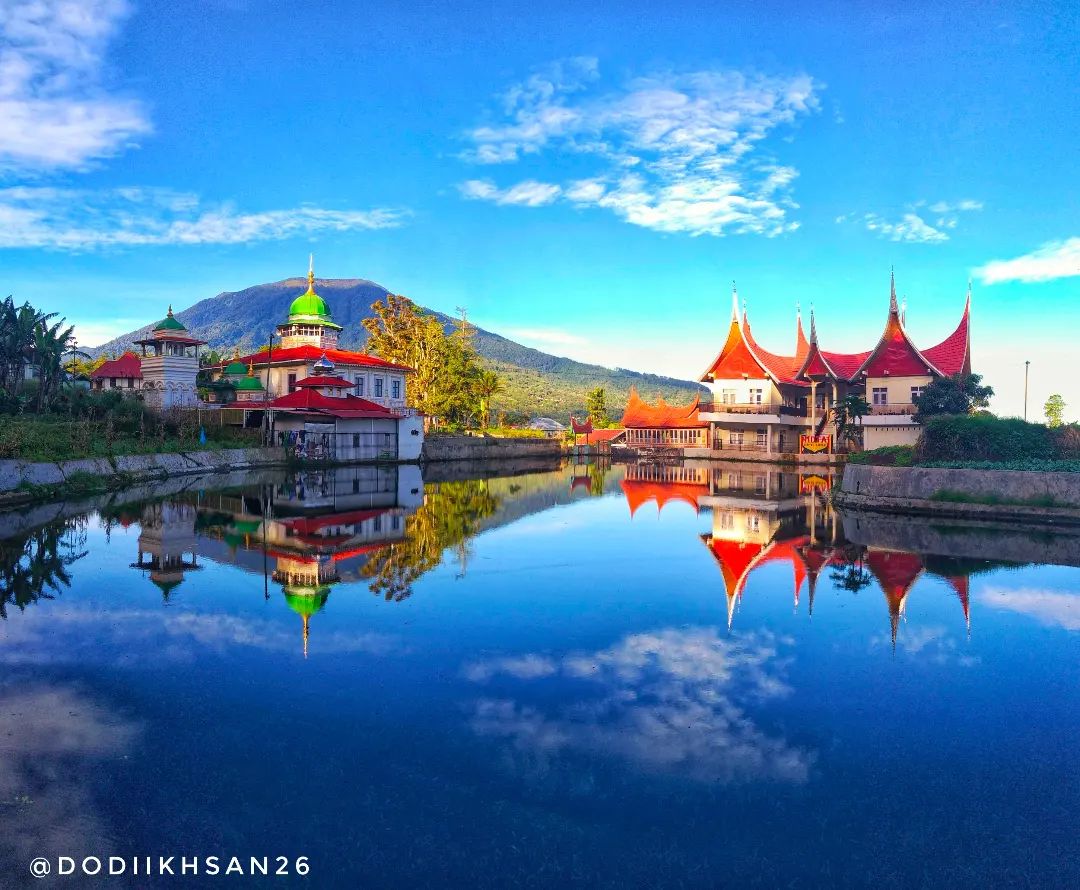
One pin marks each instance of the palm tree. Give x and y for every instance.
(488, 384)
(847, 414)
(51, 343)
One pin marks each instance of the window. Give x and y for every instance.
(388, 439)
(292, 383)
(356, 482)
(377, 523)
(395, 389)
(735, 437)
(727, 397)
(356, 440)
(916, 391)
(759, 484)
(755, 396)
(762, 437)
(726, 520)
(880, 395)
(378, 387)
(753, 523)
(358, 386)
(733, 481)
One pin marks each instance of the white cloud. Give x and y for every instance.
(1055, 259)
(674, 701)
(526, 194)
(910, 228)
(550, 336)
(71, 219)
(674, 153)
(959, 206)
(1045, 606)
(55, 112)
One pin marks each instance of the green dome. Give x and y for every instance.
(169, 323)
(237, 369)
(248, 383)
(310, 308)
(306, 600)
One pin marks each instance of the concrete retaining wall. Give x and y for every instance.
(489, 448)
(925, 483)
(139, 467)
(1004, 493)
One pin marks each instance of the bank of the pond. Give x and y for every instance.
(962, 493)
(22, 482)
(488, 448)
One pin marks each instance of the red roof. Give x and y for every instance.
(309, 400)
(319, 380)
(641, 415)
(306, 353)
(129, 365)
(605, 435)
(581, 429)
(953, 354)
(308, 525)
(736, 358)
(895, 354)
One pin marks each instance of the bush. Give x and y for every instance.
(886, 456)
(973, 437)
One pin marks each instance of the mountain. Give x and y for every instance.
(536, 383)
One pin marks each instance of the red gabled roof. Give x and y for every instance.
(736, 358)
(321, 380)
(129, 365)
(782, 368)
(641, 415)
(895, 354)
(606, 435)
(845, 364)
(313, 401)
(953, 354)
(313, 353)
(581, 429)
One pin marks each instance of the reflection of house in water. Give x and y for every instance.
(763, 515)
(166, 537)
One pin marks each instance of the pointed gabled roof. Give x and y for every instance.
(802, 345)
(736, 358)
(953, 354)
(895, 353)
(638, 492)
(641, 415)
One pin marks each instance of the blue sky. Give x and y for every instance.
(585, 177)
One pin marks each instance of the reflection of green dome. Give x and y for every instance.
(166, 586)
(247, 526)
(306, 601)
(169, 323)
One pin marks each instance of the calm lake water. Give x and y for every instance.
(626, 676)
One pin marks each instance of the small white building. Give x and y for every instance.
(170, 365)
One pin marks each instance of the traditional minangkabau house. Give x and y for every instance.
(781, 403)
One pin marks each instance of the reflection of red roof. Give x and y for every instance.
(641, 415)
(735, 559)
(308, 353)
(895, 571)
(307, 525)
(128, 366)
(312, 401)
(320, 380)
(787, 551)
(638, 492)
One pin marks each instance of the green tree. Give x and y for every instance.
(488, 385)
(959, 394)
(596, 405)
(847, 415)
(1054, 410)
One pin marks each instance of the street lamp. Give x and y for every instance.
(1027, 365)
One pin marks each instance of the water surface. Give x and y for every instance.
(643, 676)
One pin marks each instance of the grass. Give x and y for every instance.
(52, 439)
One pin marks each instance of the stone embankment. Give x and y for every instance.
(981, 494)
(20, 479)
(488, 448)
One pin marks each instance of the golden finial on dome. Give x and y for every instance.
(169, 315)
(311, 273)
(251, 367)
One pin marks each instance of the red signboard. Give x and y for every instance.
(815, 444)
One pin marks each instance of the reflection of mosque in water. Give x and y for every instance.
(762, 515)
(306, 532)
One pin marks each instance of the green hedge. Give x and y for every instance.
(975, 438)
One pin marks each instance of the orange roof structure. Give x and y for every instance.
(641, 415)
(638, 492)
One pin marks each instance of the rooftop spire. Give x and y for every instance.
(969, 293)
(169, 314)
(903, 311)
(892, 291)
(813, 327)
(311, 272)
(734, 302)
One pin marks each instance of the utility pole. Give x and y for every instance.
(1027, 366)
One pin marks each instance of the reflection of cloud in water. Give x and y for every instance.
(1046, 606)
(50, 742)
(164, 635)
(673, 701)
(930, 645)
